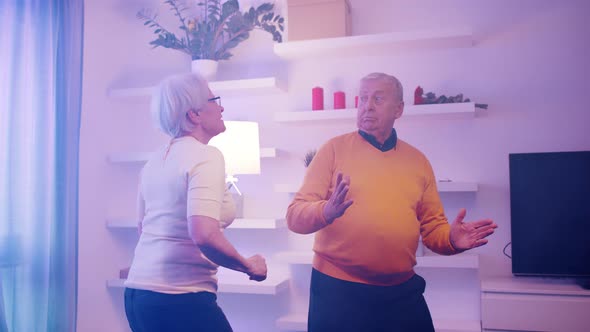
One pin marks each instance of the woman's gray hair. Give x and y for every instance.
(397, 85)
(173, 98)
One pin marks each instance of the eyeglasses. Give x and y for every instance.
(377, 100)
(217, 100)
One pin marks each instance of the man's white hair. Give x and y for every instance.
(397, 85)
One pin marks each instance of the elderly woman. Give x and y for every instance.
(183, 204)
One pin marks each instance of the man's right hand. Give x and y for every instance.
(337, 204)
(256, 268)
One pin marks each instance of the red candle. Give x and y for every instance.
(339, 100)
(317, 99)
(356, 101)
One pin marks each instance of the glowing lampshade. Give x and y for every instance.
(240, 146)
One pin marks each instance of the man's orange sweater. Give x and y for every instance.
(395, 200)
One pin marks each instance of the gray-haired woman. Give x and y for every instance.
(183, 204)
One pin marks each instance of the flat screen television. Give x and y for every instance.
(550, 214)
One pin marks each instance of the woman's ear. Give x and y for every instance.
(193, 116)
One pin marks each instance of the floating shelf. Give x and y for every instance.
(443, 186)
(461, 261)
(298, 322)
(236, 284)
(142, 157)
(246, 87)
(295, 257)
(292, 322)
(375, 44)
(237, 224)
(128, 157)
(350, 113)
(258, 224)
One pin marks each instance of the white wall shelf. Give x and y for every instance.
(350, 113)
(295, 257)
(233, 88)
(247, 223)
(298, 322)
(443, 186)
(292, 322)
(375, 44)
(461, 261)
(229, 283)
(142, 157)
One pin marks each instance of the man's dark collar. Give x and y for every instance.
(389, 143)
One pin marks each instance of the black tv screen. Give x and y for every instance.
(550, 213)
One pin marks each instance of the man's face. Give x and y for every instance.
(378, 107)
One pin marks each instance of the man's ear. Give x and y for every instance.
(399, 110)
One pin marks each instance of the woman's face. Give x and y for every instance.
(211, 118)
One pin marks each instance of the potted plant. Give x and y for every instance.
(209, 36)
(309, 157)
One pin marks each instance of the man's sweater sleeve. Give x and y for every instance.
(434, 226)
(305, 213)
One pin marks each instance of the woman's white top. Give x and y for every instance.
(183, 179)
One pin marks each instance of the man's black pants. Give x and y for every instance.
(343, 306)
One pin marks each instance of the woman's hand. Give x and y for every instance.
(256, 268)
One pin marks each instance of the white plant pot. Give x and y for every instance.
(205, 67)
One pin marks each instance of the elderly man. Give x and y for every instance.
(369, 196)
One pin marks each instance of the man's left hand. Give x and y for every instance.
(469, 235)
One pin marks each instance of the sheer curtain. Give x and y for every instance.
(40, 102)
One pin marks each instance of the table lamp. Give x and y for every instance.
(240, 147)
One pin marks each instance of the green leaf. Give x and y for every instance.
(230, 7)
(265, 7)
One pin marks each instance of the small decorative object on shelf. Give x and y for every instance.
(317, 99)
(356, 101)
(309, 157)
(339, 100)
(219, 28)
(430, 98)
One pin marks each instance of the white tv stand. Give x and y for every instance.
(534, 304)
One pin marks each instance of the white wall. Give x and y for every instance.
(529, 63)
